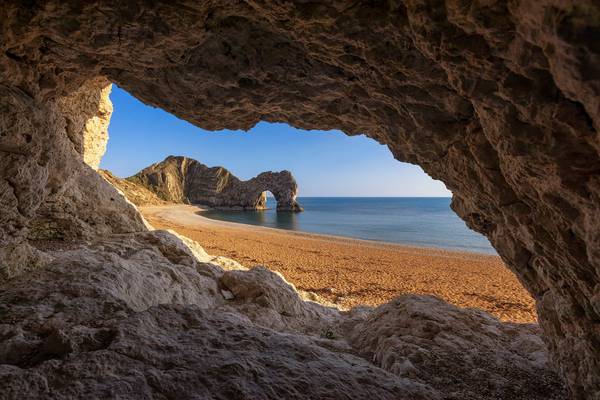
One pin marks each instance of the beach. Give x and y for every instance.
(352, 272)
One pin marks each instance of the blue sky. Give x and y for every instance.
(325, 163)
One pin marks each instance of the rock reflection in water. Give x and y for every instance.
(269, 217)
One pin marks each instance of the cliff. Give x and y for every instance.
(184, 180)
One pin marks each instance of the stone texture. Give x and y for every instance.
(46, 189)
(75, 188)
(184, 180)
(87, 114)
(268, 299)
(500, 100)
(141, 315)
(185, 352)
(464, 353)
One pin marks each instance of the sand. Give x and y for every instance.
(351, 272)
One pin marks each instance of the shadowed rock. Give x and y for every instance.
(184, 180)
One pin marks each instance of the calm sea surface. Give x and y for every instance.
(418, 221)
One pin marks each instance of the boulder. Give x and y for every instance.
(464, 353)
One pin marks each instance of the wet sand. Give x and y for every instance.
(351, 272)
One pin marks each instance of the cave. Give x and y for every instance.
(500, 101)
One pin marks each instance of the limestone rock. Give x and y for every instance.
(499, 100)
(137, 194)
(141, 315)
(47, 191)
(184, 180)
(264, 287)
(269, 300)
(87, 114)
(185, 352)
(464, 353)
(20, 258)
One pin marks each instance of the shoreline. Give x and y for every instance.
(203, 209)
(330, 236)
(324, 236)
(351, 272)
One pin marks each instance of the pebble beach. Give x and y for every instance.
(351, 272)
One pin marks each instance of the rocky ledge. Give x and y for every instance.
(184, 180)
(152, 315)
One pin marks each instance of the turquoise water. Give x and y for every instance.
(418, 221)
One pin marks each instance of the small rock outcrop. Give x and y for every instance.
(184, 180)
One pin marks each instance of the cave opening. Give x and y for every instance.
(419, 215)
(498, 101)
(262, 296)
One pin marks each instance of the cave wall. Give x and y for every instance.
(80, 204)
(498, 100)
(50, 189)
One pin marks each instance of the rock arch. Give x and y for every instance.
(501, 101)
(184, 180)
(281, 184)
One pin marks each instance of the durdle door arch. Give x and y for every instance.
(184, 180)
(499, 100)
(282, 186)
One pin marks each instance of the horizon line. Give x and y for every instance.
(376, 197)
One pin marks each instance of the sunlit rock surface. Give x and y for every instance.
(136, 193)
(44, 148)
(184, 180)
(499, 100)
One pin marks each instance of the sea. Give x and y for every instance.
(415, 221)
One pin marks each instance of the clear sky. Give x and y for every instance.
(325, 163)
